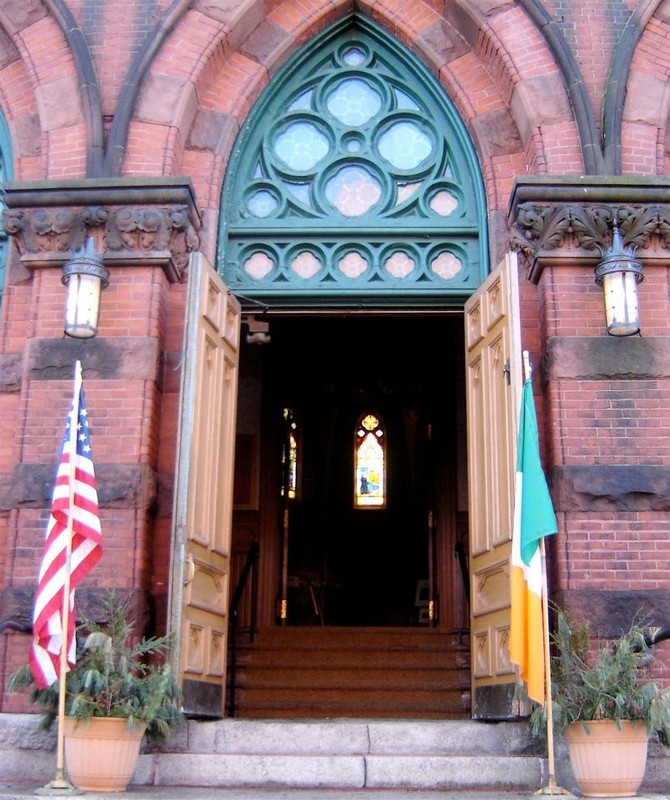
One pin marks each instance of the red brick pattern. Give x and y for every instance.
(211, 67)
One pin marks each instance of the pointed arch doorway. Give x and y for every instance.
(353, 224)
(199, 601)
(379, 593)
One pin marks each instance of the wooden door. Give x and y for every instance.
(493, 386)
(203, 492)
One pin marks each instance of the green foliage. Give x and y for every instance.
(114, 676)
(613, 682)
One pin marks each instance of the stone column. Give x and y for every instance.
(145, 231)
(606, 400)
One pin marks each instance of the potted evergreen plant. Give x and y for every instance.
(120, 689)
(607, 704)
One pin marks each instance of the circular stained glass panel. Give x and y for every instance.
(301, 145)
(258, 265)
(446, 265)
(353, 265)
(399, 264)
(262, 203)
(305, 264)
(354, 102)
(353, 56)
(404, 145)
(353, 191)
(443, 203)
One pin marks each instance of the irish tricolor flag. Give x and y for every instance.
(533, 520)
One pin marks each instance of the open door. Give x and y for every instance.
(493, 387)
(343, 563)
(204, 487)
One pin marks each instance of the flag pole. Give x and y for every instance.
(551, 787)
(59, 785)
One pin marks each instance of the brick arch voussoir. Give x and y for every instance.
(473, 66)
(27, 37)
(243, 72)
(514, 104)
(516, 109)
(195, 93)
(18, 102)
(40, 94)
(190, 112)
(488, 76)
(646, 109)
(526, 98)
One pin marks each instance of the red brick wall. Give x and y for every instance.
(192, 100)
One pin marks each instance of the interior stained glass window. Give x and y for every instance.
(290, 456)
(370, 463)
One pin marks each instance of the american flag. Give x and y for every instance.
(74, 491)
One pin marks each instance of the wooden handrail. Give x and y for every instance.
(248, 569)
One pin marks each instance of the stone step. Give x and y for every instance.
(350, 756)
(397, 707)
(354, 672)
(343, 754)
(361, 678)
(391, 639)
(283, 657)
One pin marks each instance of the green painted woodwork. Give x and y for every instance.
(6, 174)
(353, 183)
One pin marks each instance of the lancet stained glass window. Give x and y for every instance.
(370, 463)
(353, 180)
(290, 456)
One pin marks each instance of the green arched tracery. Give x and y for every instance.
(353, 182)
(6, 174)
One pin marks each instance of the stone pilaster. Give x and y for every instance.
(609, 477)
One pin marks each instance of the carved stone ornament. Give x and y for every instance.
(538, 228)
(51, 230)
(550, 214)
(51, 222)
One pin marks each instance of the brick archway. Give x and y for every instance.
(517, 112)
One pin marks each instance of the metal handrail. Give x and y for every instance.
(248, 569)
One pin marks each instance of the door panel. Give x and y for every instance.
(203, 493)
(493, 370)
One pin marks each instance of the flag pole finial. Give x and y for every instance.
(527, 369)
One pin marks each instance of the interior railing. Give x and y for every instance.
(248, 570)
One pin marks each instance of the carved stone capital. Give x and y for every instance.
(548, 215)
(134, 222)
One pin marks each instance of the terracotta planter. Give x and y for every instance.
(101, 754)
(608, 761)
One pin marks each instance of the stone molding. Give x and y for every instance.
(28, 485)
(600, 358)
(122, 358)
(611, 488)
(575, 217)
(609, 612)
(150, 223)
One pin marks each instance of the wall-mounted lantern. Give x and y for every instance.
(85, 277)
(619, 274)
